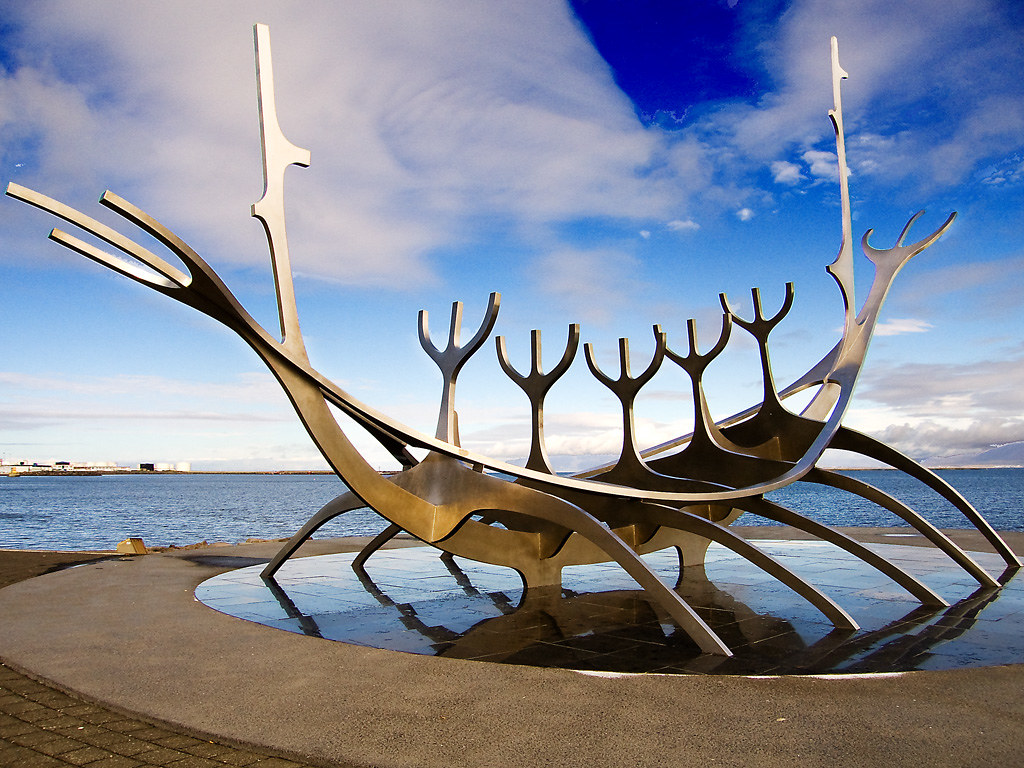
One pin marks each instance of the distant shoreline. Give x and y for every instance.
(100, 472)
(105, 473)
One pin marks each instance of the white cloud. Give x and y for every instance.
(897, 327)
(942, 409)
(941, 391)
(1008, 171)
(19, 417)
(580, 434)
(247, 388)
(784, 172)
(583, 433)
(592, 284)
(930, 438)
(821, 165)
(645, 234)
(420, 122)
(31, 400)
(954, 71)
(744, 214)
(424, 122)
(130, 418)
(976, 289)
(683, 225)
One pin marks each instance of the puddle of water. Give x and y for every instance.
(410, 600)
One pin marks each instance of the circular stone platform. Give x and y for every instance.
(414, 601)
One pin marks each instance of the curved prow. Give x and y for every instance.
(889, 261)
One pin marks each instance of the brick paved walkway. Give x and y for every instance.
(42, 727)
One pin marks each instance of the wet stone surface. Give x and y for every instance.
(414, 601)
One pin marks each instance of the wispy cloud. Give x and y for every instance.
(469, 112)
(592, 284)
(247, 388)
(942, 409)
(932, 439)
(683, 225)
(897, 327)
(784, 172)
(989, 288)
(583, 433)
(34, 403)
(893, 52)
(821, 165)
(947, 390)
(34, 417)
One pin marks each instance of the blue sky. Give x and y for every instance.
(609, 163)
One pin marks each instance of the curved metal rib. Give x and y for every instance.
(879, 497)
(847, 439)
(339, 505)
(172, 277)
(460, 492)
(780, 514)
(686, 521)
(375, 544)
(618, 550)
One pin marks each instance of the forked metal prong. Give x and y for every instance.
(694, 362)
(536, 385)
(172, 274)
(900, 253)
(451, 359)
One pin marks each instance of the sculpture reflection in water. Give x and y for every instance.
(681, 494)
(479, 614)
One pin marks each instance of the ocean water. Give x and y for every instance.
(97, 512)
(998, 494)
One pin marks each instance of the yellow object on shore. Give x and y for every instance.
(132, 546)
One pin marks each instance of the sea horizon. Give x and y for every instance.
(95, 512)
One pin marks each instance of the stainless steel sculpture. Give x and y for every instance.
(680, 494)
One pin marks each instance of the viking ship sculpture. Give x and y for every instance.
(682, 494)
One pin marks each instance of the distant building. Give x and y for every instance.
(17, 467)
(166, 466)
(24, 467)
